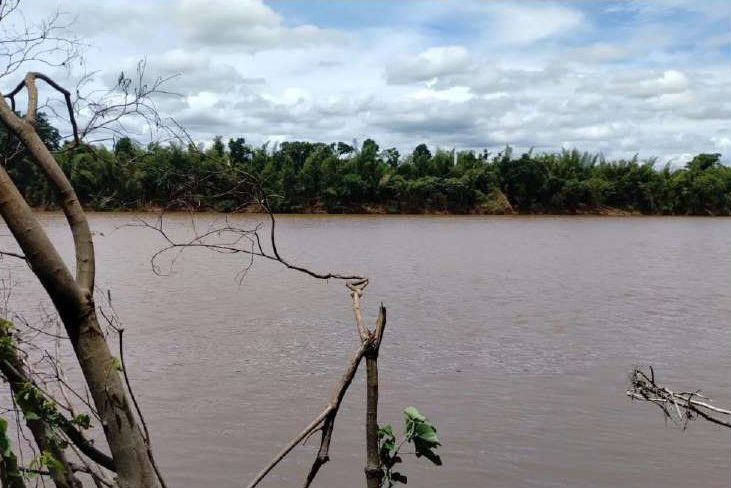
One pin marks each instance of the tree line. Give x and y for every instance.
(304, 177)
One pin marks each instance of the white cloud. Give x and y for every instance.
(242, 23)
(454, 94)
(433, 63)
(673, 101)
(524, 24)
(645, 85)
(202, 101)
(722, 144)
(598, 53)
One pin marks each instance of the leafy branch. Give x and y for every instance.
(420, 432)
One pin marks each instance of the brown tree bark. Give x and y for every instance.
(373, 471)
(372, 342)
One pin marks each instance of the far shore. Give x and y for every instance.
(380, 211)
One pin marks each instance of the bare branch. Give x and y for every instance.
(681, 407)
(327, 416)
(13, 255)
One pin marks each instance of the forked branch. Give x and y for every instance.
(325, 421)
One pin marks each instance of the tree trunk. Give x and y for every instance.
(373, 472)
(73, 299)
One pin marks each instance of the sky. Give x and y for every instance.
(620, 77)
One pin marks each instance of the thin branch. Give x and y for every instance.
(291, 445)
(13, 255)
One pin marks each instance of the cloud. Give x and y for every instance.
(243, 23)
(710, 9)
(644, 85)
(187, 73)
(435, 62)
(598, 53)
(524, 24)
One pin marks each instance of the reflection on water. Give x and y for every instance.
(515, 335)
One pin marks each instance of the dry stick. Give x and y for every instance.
(646, 389)
(366, 347)
(356, 290)
(13, 255)
(328, 414)
(96, 478)
(373, 471)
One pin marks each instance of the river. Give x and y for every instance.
(515, 335)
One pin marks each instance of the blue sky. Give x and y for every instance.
(622, 77)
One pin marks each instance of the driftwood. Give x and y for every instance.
(680, 407)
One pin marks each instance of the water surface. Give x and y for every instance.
(515, 335)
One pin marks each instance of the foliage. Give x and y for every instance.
(420, 432)
(301, 176)
(10, 475)
(46, 460)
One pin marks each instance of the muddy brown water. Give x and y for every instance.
(515, 335)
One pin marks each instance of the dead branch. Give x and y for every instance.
(680, 407)
(31, 113)
(325, 421)
(13, 255)
(229, 239)
(49, 42)
(131, 97)
(326, 416)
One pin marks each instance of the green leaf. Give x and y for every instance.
(82, 420)
(413, 414)
(31, 415)
(426, 433)
(387, 441)
(423, 434)
(52, 463)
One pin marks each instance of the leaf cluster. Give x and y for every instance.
(419, 432)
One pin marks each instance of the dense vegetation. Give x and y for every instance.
(338, 177)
